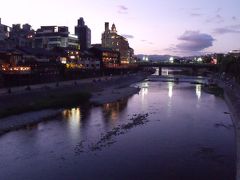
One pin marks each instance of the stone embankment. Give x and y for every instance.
(232, 98)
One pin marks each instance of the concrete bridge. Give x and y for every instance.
(194, 66)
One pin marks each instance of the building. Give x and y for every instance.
(132, 59)
(108, 57)
(89, 61)
(84, 34)
(10, 57)
(22, 36)
(110, 39)
(4, 31)
(50, 37)
(235, 53)
(70, 57)
(11, 62)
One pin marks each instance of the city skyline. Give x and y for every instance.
(153, 27)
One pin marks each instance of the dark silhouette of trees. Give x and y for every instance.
(231, 67)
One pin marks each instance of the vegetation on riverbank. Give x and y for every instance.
(230, 66)
(214, 89)
(52, 100)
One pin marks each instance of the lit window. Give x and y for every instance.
(55, 29)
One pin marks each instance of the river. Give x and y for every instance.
(169, 131)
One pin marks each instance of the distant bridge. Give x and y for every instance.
(193, 66)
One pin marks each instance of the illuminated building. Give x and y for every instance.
(74, 59)
(171, 59)
(108, 57)
(71, 58)
(84, 34)
(50, 37)
(89, 61)
(10, 56)
(145, 58)
(10, 62)
(110, 39)
(235, 53)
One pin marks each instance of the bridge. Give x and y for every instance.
(193, 66)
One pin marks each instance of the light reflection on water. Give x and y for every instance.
(112, 110)
(198, 90)
(180, 140)
(170, 89)
(144, 91)
(73, 116)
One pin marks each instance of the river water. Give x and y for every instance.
(169, 131)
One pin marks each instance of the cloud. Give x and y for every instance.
(195, 14)
(147, 42)
(122, 9)
(191, 42)
(234, 18)
(234, 29)
(236, 26)
(128, 36)
(225, 31)
(196, 9)
(194, 41)
(218, 10)
(216, 19)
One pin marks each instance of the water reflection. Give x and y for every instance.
(156, 72)
(144, 91)
(165, 71)
(170, 89)
(112, 111)
(73, 116)
(178, 137)
(198, 90)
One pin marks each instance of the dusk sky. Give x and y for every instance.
(176, 27)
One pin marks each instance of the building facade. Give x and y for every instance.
(4, 31)
(22, 36)
(50, 37)
(235, 53)
(90, 61)
(84, 34)
(108, 57)
(110, 39)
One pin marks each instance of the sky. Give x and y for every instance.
(175, 27)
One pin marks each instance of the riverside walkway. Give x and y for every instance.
(54, 85)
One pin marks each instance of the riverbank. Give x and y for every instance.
(232, 98)
(52, 97)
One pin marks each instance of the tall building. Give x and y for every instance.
(110, 39)
(55, 36)
(4, 31)
(84, 34)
